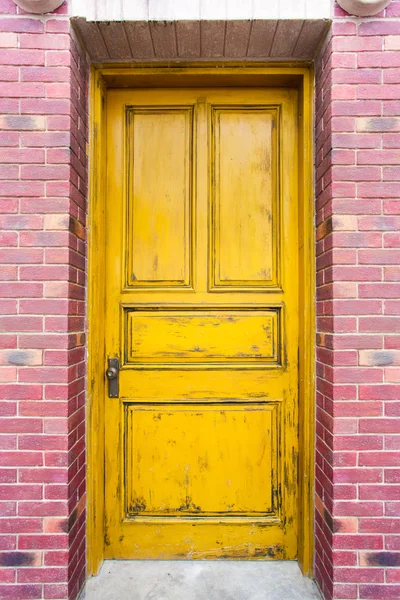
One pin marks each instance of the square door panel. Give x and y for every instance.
(207, 459)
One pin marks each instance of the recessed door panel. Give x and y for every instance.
(245, 197)
(159, 197)
(198, 461)
(187, 337)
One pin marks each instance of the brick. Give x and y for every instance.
(17, 222)
(383, 92)
(367, 107)
(21, 255)
(9, 139)
(379, 492)
(379, 256)
(45, 542)
(7, 7)
(19, 559)
(7, 542)
(379, 59)
(393, 11)
(44, 238)
(22, 156)
(356, 409)
(14, 56)
(381, 290)
(23, 90)
(57, 90)
(392, 542)
(48, 106)
(357, 273)
(8, 273)
(359, 575)
(57, 26)
(392, 42)
(8, 40)
(41, 139)
(20, 289)
(356, 140)
(378, 157)
(21, 25)
(380, 592)
(45, 172)
(9, 105)
(7, 575)
(379, 358)
(8, 442)
(381, 559)
(24, 123)
(21, 592)
(377, 190)
(47, 273)
(355, 475)
(44, 475)
(20, 525)
(21, 323)
(47, 42)
(379, 525)
(9, 172)
(359, 341)
(392, 509)
(43, 509)
(45, 74)
(356, 76)
(359, 509)
(379, 27)
(374, 124)
(8, 73)
(356, 44)
(42, 575)
(354, 375)
(380, 223)
(359, 542)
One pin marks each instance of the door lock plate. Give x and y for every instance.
(112, 375)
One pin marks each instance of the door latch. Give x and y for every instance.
(112, 375)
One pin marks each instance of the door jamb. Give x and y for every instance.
(264, 74)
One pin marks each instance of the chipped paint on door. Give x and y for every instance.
(202, 311)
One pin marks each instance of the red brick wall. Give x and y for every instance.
(358, 272)
(43, 134)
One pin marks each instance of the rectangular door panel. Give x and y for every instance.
(160, 196)
(195, 336)
(198, 462)
(245, 197)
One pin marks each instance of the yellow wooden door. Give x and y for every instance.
(202, 312)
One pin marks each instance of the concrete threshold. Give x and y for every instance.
(200, 580)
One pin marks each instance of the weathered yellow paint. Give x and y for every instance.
(96, 326)
(307, 327)
(146, 384)
(202, 289)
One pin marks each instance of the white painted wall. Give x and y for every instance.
(182, 10)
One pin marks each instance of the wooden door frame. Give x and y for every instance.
(179, 74)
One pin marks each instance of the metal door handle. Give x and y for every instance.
(112, 375)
